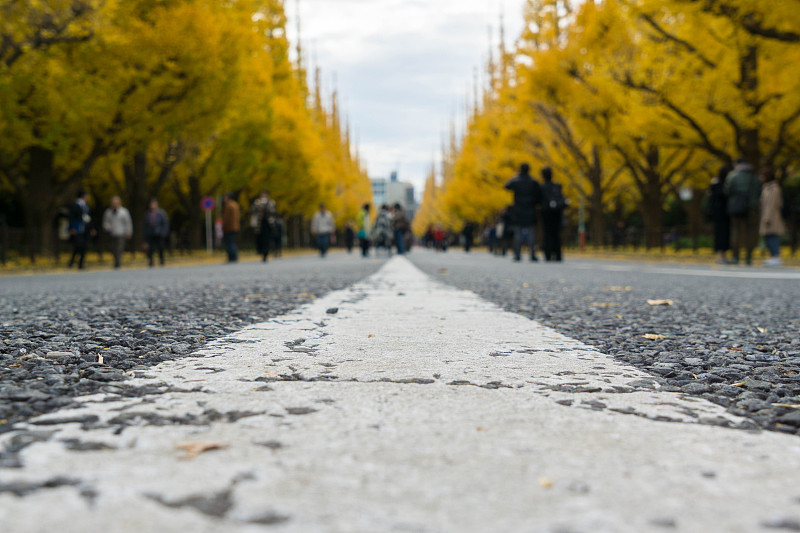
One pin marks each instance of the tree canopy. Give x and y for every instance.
(630, 102)
(175, 99)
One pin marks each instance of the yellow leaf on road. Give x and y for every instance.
(616, 288)
(193, 449)
(653, 337)
(660, 302)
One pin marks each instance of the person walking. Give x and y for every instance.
(717, 214)
(382, 232)
(400, 226)
(156, 230)
(552, 215)
(771, 224)
(118, 224)
(349, 237)
(468, 232)
(322, 229)
(231, 224)
(742, 189)
(527, 195)
(262, 221)
(364, 228)
(79, 223)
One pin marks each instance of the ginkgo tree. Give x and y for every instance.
(175, 98)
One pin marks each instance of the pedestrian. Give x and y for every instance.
(771, 225)
(156, 230)
(527, 195)
(349, 237)
(364, 229)
(743, 190)
(428, 237)
(118, 224)
(231, 224)
(322, 229)
(400, 226)
(262, 220)
(468, 232)
(382, 232)
(440, 238)
(79, 223)
(553, 206)
(717, 214)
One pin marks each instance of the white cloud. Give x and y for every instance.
(403, 68)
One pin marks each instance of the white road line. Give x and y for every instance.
(415, 407)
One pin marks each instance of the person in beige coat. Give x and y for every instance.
(771, 225)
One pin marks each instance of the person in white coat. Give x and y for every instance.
(322, 229)
(118, 224)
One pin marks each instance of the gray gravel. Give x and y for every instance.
(53, 328)
(733, 341)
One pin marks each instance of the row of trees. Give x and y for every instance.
(630, 102)
(175, 99)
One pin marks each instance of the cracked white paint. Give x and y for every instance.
(404, 433)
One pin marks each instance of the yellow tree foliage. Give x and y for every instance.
(175, 98)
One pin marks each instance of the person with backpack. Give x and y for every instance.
(552, 216)
(743, 192)
(527, 195)
(771, 224)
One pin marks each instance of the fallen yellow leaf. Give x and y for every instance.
(653, 337)
(786, 405)
(602, 304)
(193, 449)
(740, 384)
(617, 315)
(660, 302)
(762, 330)
(545, 482)
(615, 288)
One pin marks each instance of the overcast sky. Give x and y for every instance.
(403, 68)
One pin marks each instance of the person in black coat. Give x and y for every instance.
(80, 229)
(527, 195)
(717, 214)
(552, 216)
(156, 231)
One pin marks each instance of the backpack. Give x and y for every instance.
(553, 197)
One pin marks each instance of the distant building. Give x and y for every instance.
(392, 192)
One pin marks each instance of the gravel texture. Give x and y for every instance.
(733, 341)
(81, 333)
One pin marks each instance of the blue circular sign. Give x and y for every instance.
(208, 203)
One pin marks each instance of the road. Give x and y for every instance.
(403, 402)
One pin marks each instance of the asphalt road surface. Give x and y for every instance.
(319, 395)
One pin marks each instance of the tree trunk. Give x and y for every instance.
(597, 222)
(196, 215)
(39, 202)
(136, 194)
(748, 136)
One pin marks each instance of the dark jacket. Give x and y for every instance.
(79, 221)
(527, 195)
(156, 224)
(552, 197)
(742, 186)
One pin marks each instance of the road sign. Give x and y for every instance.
(208, 203)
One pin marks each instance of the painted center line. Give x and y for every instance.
(399, 404)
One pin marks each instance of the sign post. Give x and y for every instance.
(208, 205)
